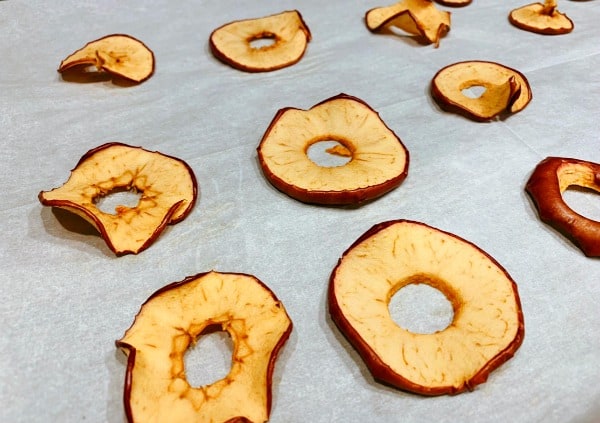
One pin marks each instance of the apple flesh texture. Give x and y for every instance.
(167, 185)
(170, 321)
(231, 43)
(379, 160)
(541, 18)
(506, 90)
(117, 54)
(487, 327)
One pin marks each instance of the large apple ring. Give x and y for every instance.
(487, 327)
(286, 31)
(378, 164)
(167, 186)
(506, 90)
(549, 180)
(156, 388)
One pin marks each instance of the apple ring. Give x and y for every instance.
(167, 186)
(378, 164)
(487, 327)
(289, 36)
(542, 18)
(506, 90)
(156, 388)
(549, 180)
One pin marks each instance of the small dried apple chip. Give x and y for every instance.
(120, 55)
(417, 17)
(261, 44)
(167, 188)
(542, 18)
(454, 3)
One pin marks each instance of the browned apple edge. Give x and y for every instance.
(356, 196)
(166, 221)
(541, 30)
(454, 3)
(132, 351)
(544, 189)
(380, 371)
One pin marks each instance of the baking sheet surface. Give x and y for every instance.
(67, 298)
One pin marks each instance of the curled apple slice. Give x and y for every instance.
(505, 90)
(551, 177)
(281, 41)
(487, 327)
(172, 319)
(120, 55)
(417, 17)
(542, 18)
(167, 188)
(378, 163)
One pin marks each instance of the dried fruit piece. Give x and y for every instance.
(454, 3)
(379, 160)
(506, 90)
(487, 327)
(417, 17)
(167, 187)
(172, 319)
(120, 55)
(286, 36)
(549, 180)
(542, 18)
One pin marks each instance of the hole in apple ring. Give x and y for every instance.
(583, 201)
(263, 41)
(421, 308)
(473, 91)
(118, 198)
(210, 358)
(329, 153)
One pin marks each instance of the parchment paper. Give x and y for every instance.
(66, 298)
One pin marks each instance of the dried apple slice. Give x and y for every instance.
(286, 37)
(118, 54)
(454, 3)
(167, 188)
(487, 327)
(506, 90)
(156, 387)
(542, 18)
(378, 164)
(551, 177)
(417, 17)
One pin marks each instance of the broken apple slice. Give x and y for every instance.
(172, 319)
(549, 180)
(378, 163)
(542, 18)
(120, 55)
(505, 90)
(487, 327)
(416, 17)
(261, 44)
(167, 188)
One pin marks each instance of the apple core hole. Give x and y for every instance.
(421, 309)
(329, 153)
(583, 201)
(262, 41)
(116, 198)
(474, 91)
(210, 359)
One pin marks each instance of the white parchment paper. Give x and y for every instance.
(66, 298)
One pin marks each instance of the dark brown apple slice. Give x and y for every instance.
(542, 18)
(118, 54)
(487, 327)
(506, 90)
(378, 164)
(167, 188)
(156, 388)
(551, 177)
(417, 17)
(285, 35)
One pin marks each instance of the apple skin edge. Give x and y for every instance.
(78, 210)
(544, 190)
(381, 372)
(131, 351)
(332, 198)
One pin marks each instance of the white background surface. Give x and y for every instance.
(66, 298)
